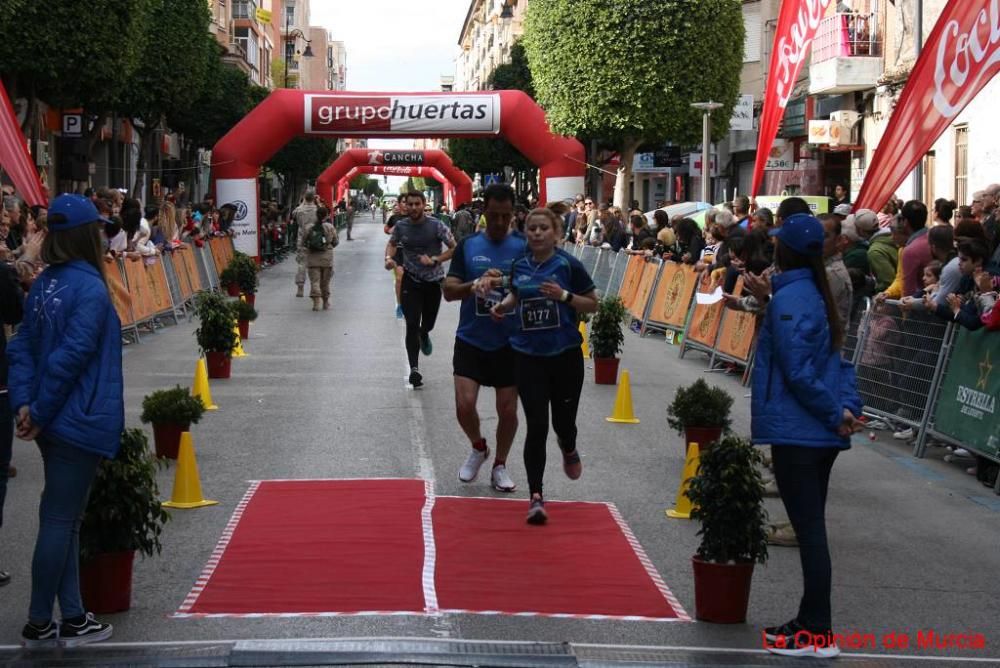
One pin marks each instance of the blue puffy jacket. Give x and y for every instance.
(66, 360)
(800, 386)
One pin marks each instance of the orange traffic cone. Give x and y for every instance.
(682, 506)
(623, 402)
(187, 485)
(200, 387)
(583, 333)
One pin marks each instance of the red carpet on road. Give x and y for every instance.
(579, 564)
(314, 546)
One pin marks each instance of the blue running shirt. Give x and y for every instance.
(547, 327)
(473, 256)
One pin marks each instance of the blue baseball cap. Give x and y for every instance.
(802, 233)
(75, 210)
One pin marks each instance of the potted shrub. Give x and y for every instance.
(245, 314)
(607, 338)
(123, 516)
(246, 275)
(700, 413)
(230, 279)
(727, 496)
(216, 334)
(171, 412)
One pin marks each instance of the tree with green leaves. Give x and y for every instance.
(176, 50)
(360, 181)
(637, 86)
(300, 160)
(488, 156)
(373, 188)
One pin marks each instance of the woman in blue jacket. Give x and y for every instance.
(805, 405)
(66, 390)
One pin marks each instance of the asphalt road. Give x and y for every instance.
(323, 395)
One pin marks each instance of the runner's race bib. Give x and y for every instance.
(539, 313)
(484, 304)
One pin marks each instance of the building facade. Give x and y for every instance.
(489, 30)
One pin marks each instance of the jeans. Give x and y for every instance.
(556, 380)
(803, 475)
(6, 447)
(421, 302)
(55, 568)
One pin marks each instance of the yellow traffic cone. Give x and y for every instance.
(238, 350)
(200, 387)
(583, 333)
(623, 402)
(187, 485)
(682, 506)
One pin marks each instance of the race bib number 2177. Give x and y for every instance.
(539, 313)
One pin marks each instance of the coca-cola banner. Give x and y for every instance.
(960, 56)
(797, 25)
(14, 156)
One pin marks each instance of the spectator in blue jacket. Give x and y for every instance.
(805, 405)
(66, 390)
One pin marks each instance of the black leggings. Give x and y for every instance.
(540, 381)
(420, 302)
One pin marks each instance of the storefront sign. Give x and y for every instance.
(742, 118)
(659, 161)
(781, 156)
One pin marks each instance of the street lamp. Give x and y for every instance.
(506, 11)
(706, 145)
(294, 34)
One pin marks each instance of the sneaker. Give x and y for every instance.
(416, 380)
(788, 630)
(399, 311)
(961, 452)
(536, 511)
(793, 640)
(572, 465)
(782, 535)
(470, 469)
(426, 347)
(83, 630)
(771, 488)
(40, 636)
(903, 434)
(501, 480)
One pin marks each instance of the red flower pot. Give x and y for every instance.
(233, 289)
(721, 591)
(703, 436)
(106, 583)
(167, 437)
(219, 364)
(244, 326)
(251, 298)
(606, 370)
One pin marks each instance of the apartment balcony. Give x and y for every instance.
(245, 9)
(846, 54)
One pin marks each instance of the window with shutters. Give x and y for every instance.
(961, 163)
(751, 22)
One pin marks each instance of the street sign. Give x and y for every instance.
(72, 124)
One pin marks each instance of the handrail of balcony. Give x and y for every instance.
(846, 35)
(245, 9)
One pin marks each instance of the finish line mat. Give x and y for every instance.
(388, 546)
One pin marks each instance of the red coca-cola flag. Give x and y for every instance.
(960, 56)
(797, 25)
(14, 156)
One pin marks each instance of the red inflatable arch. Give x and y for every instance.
(323, 190)
(364, 157)
(288, 113)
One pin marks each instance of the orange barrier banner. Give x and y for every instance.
(119, 293)
(222, 252)
(630, 282)
(706, 318)
(183, 280)
(156, 279)
(738, 331)
(143, 305)
(673, 295)
(646, 281)
(188, 260)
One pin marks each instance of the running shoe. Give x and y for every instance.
(792, 639)
(470, 469)
(501, 480)
(536, 512)
(572, 464)
(903, 434)
(83, 630)
(40, 636)
(416, 380)
(426, 347)
(399, 311)
(782, 535)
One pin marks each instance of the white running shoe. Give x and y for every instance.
(501, 479)
(470, 469)
(904, 434)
